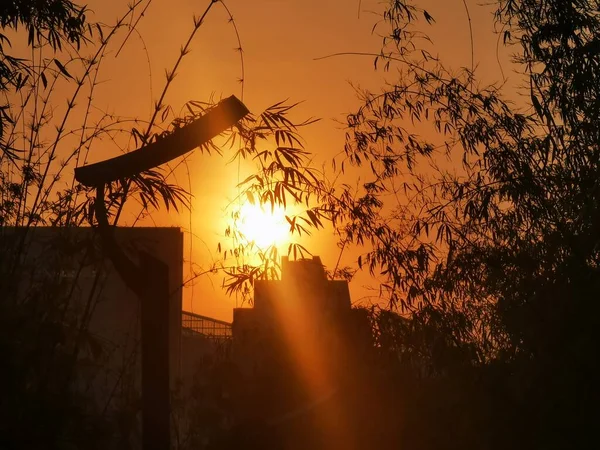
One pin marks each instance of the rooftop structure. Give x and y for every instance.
(299, 350)
(304, 308)
(206, 327)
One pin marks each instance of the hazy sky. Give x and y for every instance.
(280, 41)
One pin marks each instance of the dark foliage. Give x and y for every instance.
(495, 262)
(46, 22)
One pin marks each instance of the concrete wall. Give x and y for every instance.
(95, 293)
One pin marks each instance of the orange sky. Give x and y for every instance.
(280, 39)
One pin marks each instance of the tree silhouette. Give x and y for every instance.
(47, 23)
(494, 261)
(492, 264)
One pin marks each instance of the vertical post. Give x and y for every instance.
(155, 353)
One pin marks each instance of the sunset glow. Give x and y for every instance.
(263, 226)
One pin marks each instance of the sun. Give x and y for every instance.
(263, 226)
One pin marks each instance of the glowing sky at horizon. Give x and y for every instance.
(281, 42)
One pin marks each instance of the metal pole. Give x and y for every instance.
(155, 354)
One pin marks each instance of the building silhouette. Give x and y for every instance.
(303, 304)
(292, 359)
(299, 349)
(71, 259)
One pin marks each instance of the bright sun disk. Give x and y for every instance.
(263, 226)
